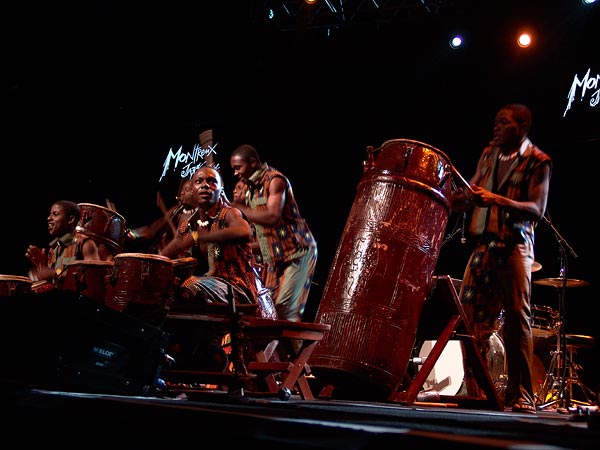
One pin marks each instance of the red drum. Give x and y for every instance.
(102, 224)
(11, 285)
(383, 268)
(42, 286)
(141, 285)
(88, 278)
(183, 268)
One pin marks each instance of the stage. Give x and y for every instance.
(213, 417)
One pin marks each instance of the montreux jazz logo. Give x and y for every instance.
(587, 86)
(191, 161)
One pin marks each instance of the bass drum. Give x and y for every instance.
(448, 374)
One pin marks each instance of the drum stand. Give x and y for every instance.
(562, 378)
(557, 388)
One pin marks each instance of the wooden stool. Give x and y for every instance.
(212, 320)
(264, 359)
(277, 359)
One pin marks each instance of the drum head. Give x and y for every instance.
(448, 373)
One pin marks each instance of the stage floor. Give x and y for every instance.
(213, 417)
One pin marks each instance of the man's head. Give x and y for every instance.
(63, 217)
(244, 161)
(186, 193)
(207, 187)
(239, 191)
(511, 125)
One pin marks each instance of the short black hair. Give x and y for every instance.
(521, 114)
(70, 208)
(246, 152)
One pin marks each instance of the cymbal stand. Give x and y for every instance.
(557, 371)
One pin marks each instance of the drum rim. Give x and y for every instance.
(97, 262)
(189, 259)
(144, 256)
(4, 277)
(420, 143)
(102, 208)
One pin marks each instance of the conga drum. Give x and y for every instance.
(103, 225)
(183, 268)
(12, 285)
(382, 270)
(88, 278)
(141, 285)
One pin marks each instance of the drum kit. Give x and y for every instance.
(554, 373)
(558, 387)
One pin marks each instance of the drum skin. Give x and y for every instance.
(12, 285)
(142, 286)
(383, 268)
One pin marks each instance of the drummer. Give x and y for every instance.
(223, 236)
(66, 246)
(152, 238)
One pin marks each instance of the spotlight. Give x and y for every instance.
(524, 40)
(456, 41)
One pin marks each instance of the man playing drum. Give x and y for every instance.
(223, 235)
(67, 245)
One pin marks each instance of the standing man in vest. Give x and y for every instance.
(288, 250)
(508, 196)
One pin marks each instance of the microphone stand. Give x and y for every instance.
(559, 360)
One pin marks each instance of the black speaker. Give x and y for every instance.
(63, 340)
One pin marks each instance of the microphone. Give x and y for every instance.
(463, 239)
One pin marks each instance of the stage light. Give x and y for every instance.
(588, 2)
(456, 42)
(310, 2)
(524, 40)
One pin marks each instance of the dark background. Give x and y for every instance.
(96, 94)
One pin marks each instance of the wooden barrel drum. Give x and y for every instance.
(383, 268)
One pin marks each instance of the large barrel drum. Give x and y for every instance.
(383, 268)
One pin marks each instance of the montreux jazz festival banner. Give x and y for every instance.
(585, 88)
(187, 162)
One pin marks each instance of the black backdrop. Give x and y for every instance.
(96, 95)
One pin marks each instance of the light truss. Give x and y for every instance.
(295, 15)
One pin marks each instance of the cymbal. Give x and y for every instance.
(558, 282)
(535, 266)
